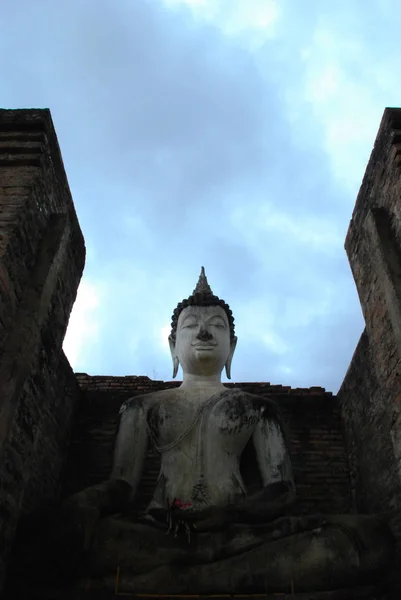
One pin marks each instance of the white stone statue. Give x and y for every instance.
(201, 427)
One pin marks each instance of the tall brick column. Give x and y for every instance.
(370, 395)
(42, 257)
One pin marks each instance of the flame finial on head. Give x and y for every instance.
(202, 287)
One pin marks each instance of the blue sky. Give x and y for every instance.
(232, 134)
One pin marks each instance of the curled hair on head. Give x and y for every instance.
(201, 296)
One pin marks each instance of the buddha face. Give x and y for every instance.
(203, 344)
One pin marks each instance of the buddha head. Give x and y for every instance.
(202, 335)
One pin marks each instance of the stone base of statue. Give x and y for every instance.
(95, 590)
(338, 552)
(95, 556)
(302, 554)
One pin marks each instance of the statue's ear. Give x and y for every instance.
(230, 357)
(176, 362)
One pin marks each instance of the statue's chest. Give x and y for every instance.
(171, 420)
(227, 422)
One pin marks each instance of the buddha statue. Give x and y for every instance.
(202, 532)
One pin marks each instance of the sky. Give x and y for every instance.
(232, 134)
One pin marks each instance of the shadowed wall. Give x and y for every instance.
(41, 261)
(370, 395)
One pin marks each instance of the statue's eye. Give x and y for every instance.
(190, 324)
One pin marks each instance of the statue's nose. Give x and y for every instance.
(204, 335)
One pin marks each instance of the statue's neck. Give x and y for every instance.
(212, 382)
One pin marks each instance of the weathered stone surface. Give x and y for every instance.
(41, 261)
(370, 394)
(91, 592)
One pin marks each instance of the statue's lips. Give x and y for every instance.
(205, 346)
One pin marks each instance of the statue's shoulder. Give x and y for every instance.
(146, 401)
(268, 407)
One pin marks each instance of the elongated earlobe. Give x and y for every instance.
(230, 358)
(176, 364)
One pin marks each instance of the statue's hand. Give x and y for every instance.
(181, 519)
(273, 501)
(174, 518)
(212, 518)
(80, 513)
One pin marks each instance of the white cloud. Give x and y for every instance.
(83, 327)
(259, 320)
(300, 312)
(254, 19)
(310, 231)
(273, 342)
(338, 84)
(133, 226)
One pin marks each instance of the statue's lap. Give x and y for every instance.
(313, 551)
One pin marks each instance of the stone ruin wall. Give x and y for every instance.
(370, 395)
(41, 261)
(311, 415)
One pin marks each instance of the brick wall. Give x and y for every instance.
(314, 434)
(368, 422)
(56, 393)
(370, 394)
(41, 261)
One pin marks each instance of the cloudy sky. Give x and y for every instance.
(232, 134)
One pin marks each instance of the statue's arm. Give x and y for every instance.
(278, 492)
(271, 452)
(129, 455)
(82, 510)
(131, 444)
